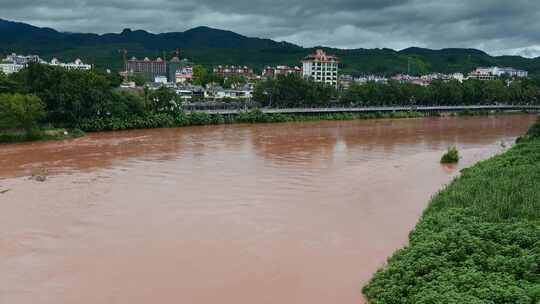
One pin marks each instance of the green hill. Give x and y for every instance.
(210, 46)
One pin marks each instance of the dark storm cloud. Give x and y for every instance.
(497, 26)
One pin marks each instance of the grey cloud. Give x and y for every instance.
(496, 26)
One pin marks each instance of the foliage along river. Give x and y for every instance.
(268, 213)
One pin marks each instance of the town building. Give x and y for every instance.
(189, 92)
(218, 93)
(76, 65)
(184, 74)
(14, 63)
(274, 72)
(24, 60)
(179, 70)
(146, 67)
(9, 67)
(491, 73)
(238, 71)
(160, 79)
(371, 78)
(321, 67)
(345, 81)
(442, 77)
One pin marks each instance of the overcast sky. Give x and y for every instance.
(495, 26)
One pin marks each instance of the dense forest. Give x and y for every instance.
(210, 47)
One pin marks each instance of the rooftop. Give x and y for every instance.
(321, 55)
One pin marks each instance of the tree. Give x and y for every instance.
(139, 79)
(200, 75)
(69, 96)
(164, 100)
(7, 84)
(21, 112)
(234, 81)
(125, 104)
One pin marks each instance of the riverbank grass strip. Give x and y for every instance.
(478, 241)
(39, 135)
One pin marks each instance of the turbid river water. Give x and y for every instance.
(269, 213)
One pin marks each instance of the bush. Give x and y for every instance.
(451, 156)
(477, 242)
(20, 112)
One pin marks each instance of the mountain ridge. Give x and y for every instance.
(210, 46)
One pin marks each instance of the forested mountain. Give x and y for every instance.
(210, 46)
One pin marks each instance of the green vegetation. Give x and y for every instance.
(16, 136)
(180, 119)
(202, 77)
(209, 47)
(451, 156)
(44, 97)
(19, 120)
(477, 242)
(294, 91)
(20, 112)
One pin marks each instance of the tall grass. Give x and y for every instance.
(477, 242)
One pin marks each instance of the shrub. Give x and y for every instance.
(21, 112)
(451, 156)
(477, 242)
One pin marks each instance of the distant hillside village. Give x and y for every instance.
(179, 74)
(14, 63)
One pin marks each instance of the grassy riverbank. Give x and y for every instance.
(164, 120)
(38, 135)
(253, 116)
(478, 241)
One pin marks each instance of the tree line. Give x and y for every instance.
(294, 91)
(46, 95)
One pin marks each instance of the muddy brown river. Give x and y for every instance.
(238, 214)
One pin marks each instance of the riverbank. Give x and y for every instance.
(7, 137)
(165, 120)
(479, 239)
(252, 116)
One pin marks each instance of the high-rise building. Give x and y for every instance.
(149, 68)
(321, 67)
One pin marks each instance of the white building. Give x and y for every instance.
(217, 92)
(371, 78)
(492, 73)
(321, 67)
(76, 65)
(160, 79)
(8, 67)
(14, 63)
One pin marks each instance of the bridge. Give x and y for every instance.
(331, 110)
